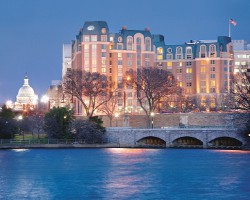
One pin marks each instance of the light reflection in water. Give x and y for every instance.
(20, 150)
(233, 151)
(126, 172)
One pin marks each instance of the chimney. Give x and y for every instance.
(124, 27)
(147, 29)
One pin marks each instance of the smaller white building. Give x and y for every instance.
(26, 98)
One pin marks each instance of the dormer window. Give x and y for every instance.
(203, 51)
(212, 50)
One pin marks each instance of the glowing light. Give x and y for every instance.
(152, 114)
(116, 115)
(45, 99)
(20, 117)
(9, 104)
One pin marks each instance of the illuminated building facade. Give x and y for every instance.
(241, 56)
(200, 67)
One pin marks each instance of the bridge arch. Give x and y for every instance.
(187, 140)
(151, 141)
(225, 141)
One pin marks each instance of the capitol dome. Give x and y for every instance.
(26, 98)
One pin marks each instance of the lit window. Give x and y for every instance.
(93, 46)
(180, 64)
(103, 62)
(103, 70)
(86, 47)
(160, 50)
(94, 69)
(169, 64)
(159, 57)
(203, 69)
(213, 83)
(180, 84)
(86, 62)
(189, 70)
(203, 62)
(119, 55)
(111, 39)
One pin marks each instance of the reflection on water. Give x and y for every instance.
(124, 174)
(233, 151)
(20, 150)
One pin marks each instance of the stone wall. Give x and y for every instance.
(191, 119)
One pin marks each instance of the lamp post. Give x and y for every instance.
(152, 119)
(19, 119)
(116, 119)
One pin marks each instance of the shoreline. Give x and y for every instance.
(110, 145)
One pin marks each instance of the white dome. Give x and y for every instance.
(26, 91)
(25, 96)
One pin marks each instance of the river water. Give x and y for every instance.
(115, 173)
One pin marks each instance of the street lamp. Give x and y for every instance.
(19, 119)
(152, 119)
(116, 119)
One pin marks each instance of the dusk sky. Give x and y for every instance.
(32, 32)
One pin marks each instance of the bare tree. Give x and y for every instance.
(89, 88)
(151, 85)
(241, 90)
(109, 107)
(36, 124)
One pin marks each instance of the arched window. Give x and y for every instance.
(178, 52)
(212, 50)
(203, 51)
(188, 50)
(148, 44)
(138, 43)
(188, 53)
(129, 43)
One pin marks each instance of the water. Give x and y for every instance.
(124, 174)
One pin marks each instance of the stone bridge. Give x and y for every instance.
(167, 137)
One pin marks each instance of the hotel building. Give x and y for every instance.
(201, 67)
